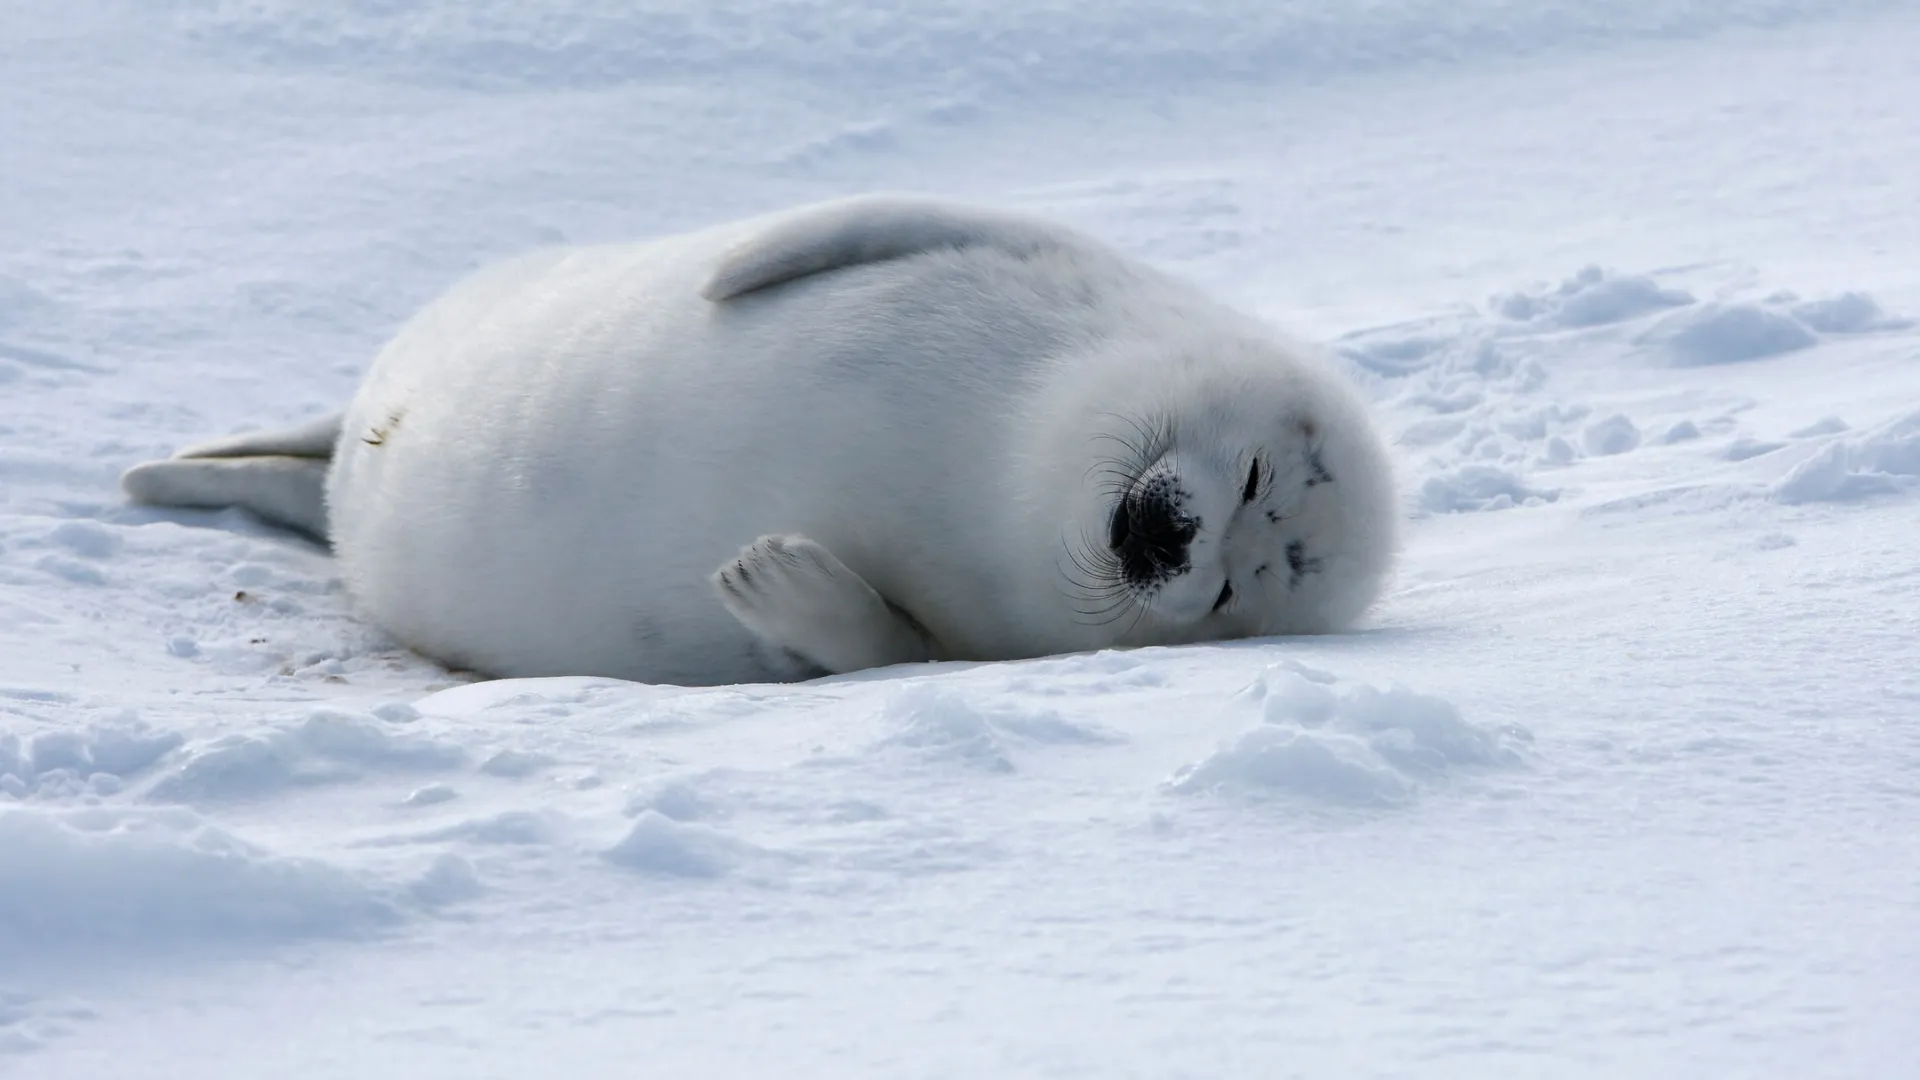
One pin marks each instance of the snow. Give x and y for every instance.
(1621, 779)
(1728, 334)
(132, 881)
(1366, 746)
(1885, 460)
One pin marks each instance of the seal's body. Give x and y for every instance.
(940, 432)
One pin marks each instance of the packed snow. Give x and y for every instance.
(1621, 779)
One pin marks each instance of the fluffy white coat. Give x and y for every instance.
(861, 432)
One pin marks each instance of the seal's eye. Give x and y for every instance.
(1253, 483)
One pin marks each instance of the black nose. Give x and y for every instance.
(1151, 538)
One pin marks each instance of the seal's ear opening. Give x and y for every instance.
(1251, 491)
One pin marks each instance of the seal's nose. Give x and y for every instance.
(1150, 536)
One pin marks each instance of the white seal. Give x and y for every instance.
(940, 432)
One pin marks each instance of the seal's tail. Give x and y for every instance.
(279, 475)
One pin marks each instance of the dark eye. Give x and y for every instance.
(1253, 483)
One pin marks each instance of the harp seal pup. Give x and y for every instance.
(864, 432)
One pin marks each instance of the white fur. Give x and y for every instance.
(907, 421)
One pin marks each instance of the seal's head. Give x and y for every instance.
(1251, 496)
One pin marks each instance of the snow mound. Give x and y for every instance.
(1826, 425)
(508, 827)
(448, 880)
(1877, 461)
(327, 747)
(1479, 487)
(515, 764)
(938, 724)
(1681, 431)
(1397, 351)
(88, 539)
(1847, 313)
(1591, 297)
(1353, 746)
(1614, 435)
(1746, 447)
(430, 794)
(1727, 333)
(120, 881)
(95, 759)
(659, 846)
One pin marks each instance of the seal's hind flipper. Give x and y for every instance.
(865, 229)
(313, 439)
(281, 489)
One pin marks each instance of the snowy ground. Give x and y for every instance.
(1623, 779)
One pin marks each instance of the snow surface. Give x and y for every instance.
(1623, 778)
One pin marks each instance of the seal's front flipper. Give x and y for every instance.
(868, 229)
(282, 489)
(794, 595)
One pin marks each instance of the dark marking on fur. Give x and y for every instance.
(1317, 471)
(1298, 565)
(380, 434)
